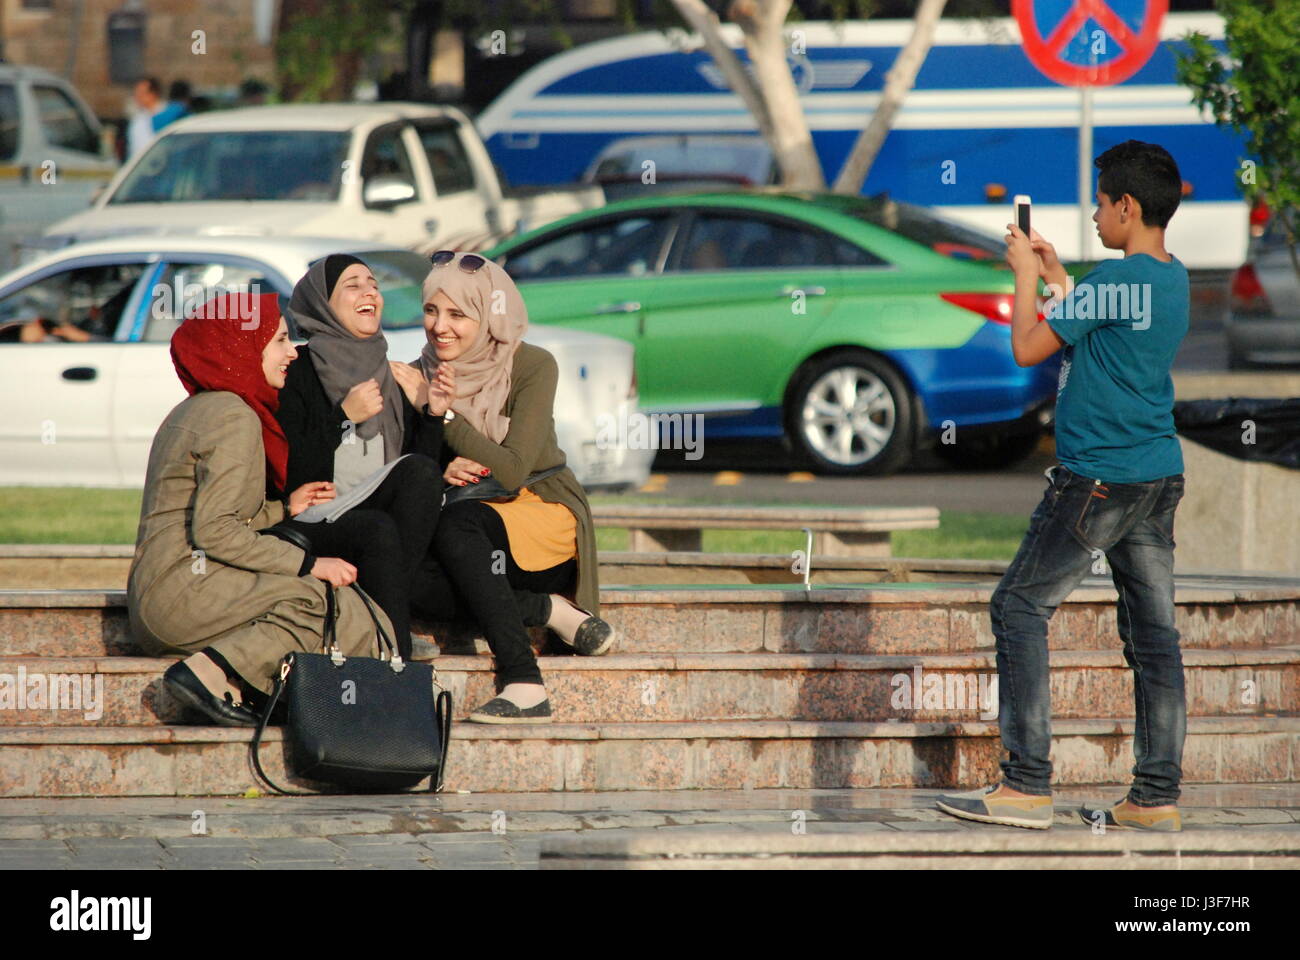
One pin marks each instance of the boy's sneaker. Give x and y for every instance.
(1130, 816)
(996, 805)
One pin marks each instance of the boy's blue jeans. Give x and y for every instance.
(1078, 520)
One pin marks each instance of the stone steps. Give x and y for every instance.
(213, 761)
(728, 687)
(894, 618)
(643, 688)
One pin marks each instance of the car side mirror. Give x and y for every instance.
(386, 191)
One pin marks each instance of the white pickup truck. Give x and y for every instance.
(408, 174)
(53, 159)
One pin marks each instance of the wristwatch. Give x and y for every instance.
(450, 415)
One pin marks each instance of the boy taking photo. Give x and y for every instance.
(1114, 492)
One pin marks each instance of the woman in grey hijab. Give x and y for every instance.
(364, 431)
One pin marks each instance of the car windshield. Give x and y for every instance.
(238, 165)
(921, 226)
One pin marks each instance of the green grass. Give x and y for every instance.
(68, 515)
(968, 536)
(85, 515)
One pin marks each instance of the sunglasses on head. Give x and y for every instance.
(469, 263)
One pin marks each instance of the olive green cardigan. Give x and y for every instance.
(530, 446)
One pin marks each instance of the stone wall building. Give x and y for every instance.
(213, 44)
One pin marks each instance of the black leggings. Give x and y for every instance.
(472, 571)
(386, 537)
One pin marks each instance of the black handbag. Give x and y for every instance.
(359, 722)
(490, 488)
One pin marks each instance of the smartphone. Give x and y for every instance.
(1022, 212)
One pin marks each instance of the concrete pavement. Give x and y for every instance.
(508, 831)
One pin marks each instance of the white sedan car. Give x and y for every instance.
(86, 375)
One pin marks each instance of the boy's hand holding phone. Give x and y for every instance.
(1021, 257)
(1034, 255)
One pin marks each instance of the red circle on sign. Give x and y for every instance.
(1044, 52)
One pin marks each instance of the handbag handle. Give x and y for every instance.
(379, 629)
(329, 635)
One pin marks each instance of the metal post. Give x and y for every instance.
(1085, 170)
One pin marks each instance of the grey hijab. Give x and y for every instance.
(342, 359)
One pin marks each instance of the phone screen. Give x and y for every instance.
(1022, 216)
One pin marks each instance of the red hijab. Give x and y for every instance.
(219, 347)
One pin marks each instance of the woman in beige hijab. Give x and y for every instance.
(516, 539)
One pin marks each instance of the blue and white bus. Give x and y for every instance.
(980, 112)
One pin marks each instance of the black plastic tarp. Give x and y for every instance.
(1266, 431)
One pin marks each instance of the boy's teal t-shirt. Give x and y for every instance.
(1122, 324)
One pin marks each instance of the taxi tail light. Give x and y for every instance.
(994, 307)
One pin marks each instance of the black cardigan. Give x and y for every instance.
(314, 427)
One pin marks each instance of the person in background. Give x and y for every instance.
(177, 106)
(252, 93)
(147, 97)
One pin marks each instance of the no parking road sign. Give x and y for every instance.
(1089, 43)
(1086, 44)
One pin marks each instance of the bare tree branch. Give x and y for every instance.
(705, 22)
(898, 82)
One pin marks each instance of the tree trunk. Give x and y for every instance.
(898, 82)
(705, 22)
(761, 21)
(770, 94)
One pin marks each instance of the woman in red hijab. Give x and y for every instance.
(204, 581)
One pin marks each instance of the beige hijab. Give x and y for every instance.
(482, 371)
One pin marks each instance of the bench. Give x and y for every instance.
(837, 531)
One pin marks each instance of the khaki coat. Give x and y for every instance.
(202, 575)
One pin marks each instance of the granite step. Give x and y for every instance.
(106, 567)
(894, 618)
(714, 755)
(651, 688)
(1064, 847)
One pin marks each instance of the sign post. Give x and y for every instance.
(1086, 44)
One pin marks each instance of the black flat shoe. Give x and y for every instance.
(593, 638)
(501, 710)
(186, 687)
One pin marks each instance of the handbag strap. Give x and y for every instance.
(281, 678)
(442, 716)
(328, 636)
